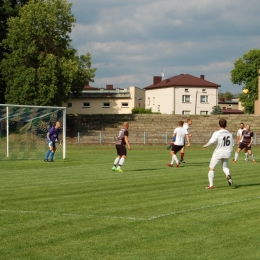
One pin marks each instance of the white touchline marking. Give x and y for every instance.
(69, 214)
(129, 218)
(202, 207)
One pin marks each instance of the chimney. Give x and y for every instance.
(157, 79)
(202, 76)
(109, 87)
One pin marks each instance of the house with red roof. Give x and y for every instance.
(182, 94)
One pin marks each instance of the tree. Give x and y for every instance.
(83, 75)
(216, 110)
(42, 66)
(226, 95)
(8, 8)
(245, 73)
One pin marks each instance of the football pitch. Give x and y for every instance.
(79, 208)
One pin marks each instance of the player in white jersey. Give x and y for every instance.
(239, 138)
(222, 152)
(185, 126)
(180, 133)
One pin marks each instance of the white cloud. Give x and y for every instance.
(136, 39)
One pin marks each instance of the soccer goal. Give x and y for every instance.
(23, 131)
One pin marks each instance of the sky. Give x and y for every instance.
(133, 40)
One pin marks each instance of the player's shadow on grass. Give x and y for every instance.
(236, 186)
(194, 164)
(146, 169)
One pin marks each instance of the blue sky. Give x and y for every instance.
(132, 41)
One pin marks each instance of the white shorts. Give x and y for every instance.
(215, 160)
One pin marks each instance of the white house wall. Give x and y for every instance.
(212, 94)
(160, 100)
(169, 100)
(195, 106)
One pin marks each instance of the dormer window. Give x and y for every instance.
(186, 90)
(204, 90)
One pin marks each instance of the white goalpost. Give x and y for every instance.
(23, 131)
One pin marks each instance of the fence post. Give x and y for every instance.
(255, 139)
(100, 138)
(78, 137)
(144, 137)
(166, 138)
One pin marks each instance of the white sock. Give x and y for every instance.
(116, 161)
(211, 177)
(252, 157)
(121, 162)
(236, 156)
(246, 154)
(226, 171)
(174, 158)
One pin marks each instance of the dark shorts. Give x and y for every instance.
(121, 150)
(176, 148)
(242, 146)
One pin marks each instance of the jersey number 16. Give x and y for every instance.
(226, 140)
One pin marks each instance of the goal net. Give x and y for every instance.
(23, 131)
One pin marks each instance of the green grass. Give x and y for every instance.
(79, 209)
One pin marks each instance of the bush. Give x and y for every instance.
(141, 110)
(135, 110)
(149, 111)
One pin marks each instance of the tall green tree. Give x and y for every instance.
(8, 8)
(84, 74)
(42, 67)
(245, 73)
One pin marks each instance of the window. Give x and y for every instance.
(204, 90)
(86, 104)
(204, 113)
(148, 101)
(158, 108)
(106, 104)
(186, 90)
(69, 105)
(124, 104)
(230, 105)
(186, 98)
(185, 112)
(204, 99)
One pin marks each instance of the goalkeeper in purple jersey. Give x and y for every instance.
(52, 137)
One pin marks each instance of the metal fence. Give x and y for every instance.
(144, 138)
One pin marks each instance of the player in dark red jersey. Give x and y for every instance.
(247, 138)
(122, 140)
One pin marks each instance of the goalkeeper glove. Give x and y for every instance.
(57, 141)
